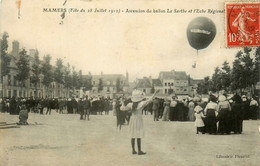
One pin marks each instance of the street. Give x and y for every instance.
(63, 139)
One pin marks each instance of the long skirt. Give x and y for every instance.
(175, 113)
(211, 122)
(191, 116)
(171, 118)
(166, 111)
(224, 121)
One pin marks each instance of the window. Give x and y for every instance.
(171, 84)
(9, 80)
(165, 83)
(144, 90)
(185, 90)
(165, 91)
(15, 93)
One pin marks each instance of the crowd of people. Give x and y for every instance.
(216, 115)
(61, 105)
(165, 109)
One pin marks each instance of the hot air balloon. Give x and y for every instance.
(201, 32)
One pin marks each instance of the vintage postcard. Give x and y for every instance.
(129, 82)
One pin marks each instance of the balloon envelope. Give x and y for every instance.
(200, 32)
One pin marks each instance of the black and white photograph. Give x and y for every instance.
(129, 82)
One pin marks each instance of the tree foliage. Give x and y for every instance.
(58, 74)
(67, 77)
(75, 78)
(87, 83)
(36, 70)
(100, 85)
(23, 67)
(244, 73)
(5, 58)
(204, 86)
(80, 80)
(47, 71)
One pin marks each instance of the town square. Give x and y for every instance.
(161, 83)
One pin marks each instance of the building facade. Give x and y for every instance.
(149, 85)
(109, 85)
(10, 86)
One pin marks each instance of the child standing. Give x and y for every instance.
(136, 126)
(199, 122)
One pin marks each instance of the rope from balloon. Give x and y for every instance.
(196, 59)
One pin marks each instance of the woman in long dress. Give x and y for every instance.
(166, 110)
(191, 106)
(210, 112)
(236, 115)
(136, 127)
(223, 109)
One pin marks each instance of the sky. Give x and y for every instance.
(141, 43)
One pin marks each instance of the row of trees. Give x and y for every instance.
(62, 74)
(243, 75)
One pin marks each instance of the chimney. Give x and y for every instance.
(15, 50)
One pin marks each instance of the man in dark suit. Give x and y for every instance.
(86, 105)
(81, 108)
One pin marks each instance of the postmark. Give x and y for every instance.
(242, 24)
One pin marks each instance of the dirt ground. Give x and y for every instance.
(64, 140)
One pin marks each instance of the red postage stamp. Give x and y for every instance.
(242, 24)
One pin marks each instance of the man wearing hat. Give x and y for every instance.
(87, 105)
(136, 122)
(81, 108)
(156, 109)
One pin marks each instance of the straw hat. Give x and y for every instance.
(137, 96)
(197, 99)
(222, 98)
